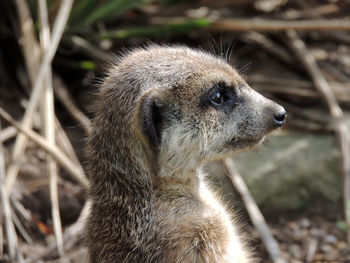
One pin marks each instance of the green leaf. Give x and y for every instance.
(109, 9)
(157, 30)
(88, 65)
(342, 225)
(83, 64)
(81, 10)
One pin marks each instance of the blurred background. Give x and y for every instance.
(54, 53)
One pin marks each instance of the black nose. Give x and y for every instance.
(280, 118)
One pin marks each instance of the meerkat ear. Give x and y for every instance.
(151, 120)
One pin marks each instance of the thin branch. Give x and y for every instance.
(10, 229)
(298, 87)
(65, 144)
(20, 208)
(21, 228)
(254, 212)
(1, 240)
(21, 141)
(312, 250)
(273, 48)
(56, 153)
(67, 101)
(91, 50)
(31, 52)
(29, 44)
(62, 139)
(258, 24)
(342, 131)
(7, 133)
(49, 121)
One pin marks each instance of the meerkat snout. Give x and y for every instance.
(280, 118)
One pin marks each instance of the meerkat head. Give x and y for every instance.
(190, 106)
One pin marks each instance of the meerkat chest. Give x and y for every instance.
(197, 230)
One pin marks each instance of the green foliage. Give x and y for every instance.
(80, 10)
(342, 225)
(88, 12)
(156, 30)
(85, 14)
(84, 64)
(170, 2)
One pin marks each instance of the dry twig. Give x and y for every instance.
(341, 129)
(299, 88)
(91, 50)
(311, 251)
(29, 44)
(74, 170)
(20, 143)
(271, 47)
(31, 54)
(49, 116)
(21, 228)
(7, 133)
(65, 144)
(254, 212)
(67, 101)
(20, 208)
(1, 239)
(257, 24)
(49, 121)
(5, 202)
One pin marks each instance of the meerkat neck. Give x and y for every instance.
(122, 177)
(180, 183)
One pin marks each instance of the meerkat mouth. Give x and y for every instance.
(239, 144)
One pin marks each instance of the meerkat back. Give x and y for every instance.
(162, 112)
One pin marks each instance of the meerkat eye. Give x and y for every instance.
(217, 98)
(221, 97)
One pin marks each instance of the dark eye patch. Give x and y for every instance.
(221, 97)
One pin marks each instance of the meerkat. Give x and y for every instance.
(162, 112)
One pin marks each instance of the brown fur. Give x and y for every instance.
(153, 129)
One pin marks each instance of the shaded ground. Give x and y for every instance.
(310, 235)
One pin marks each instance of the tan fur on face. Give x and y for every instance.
(150, 200)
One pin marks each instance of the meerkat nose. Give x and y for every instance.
(280, 118)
